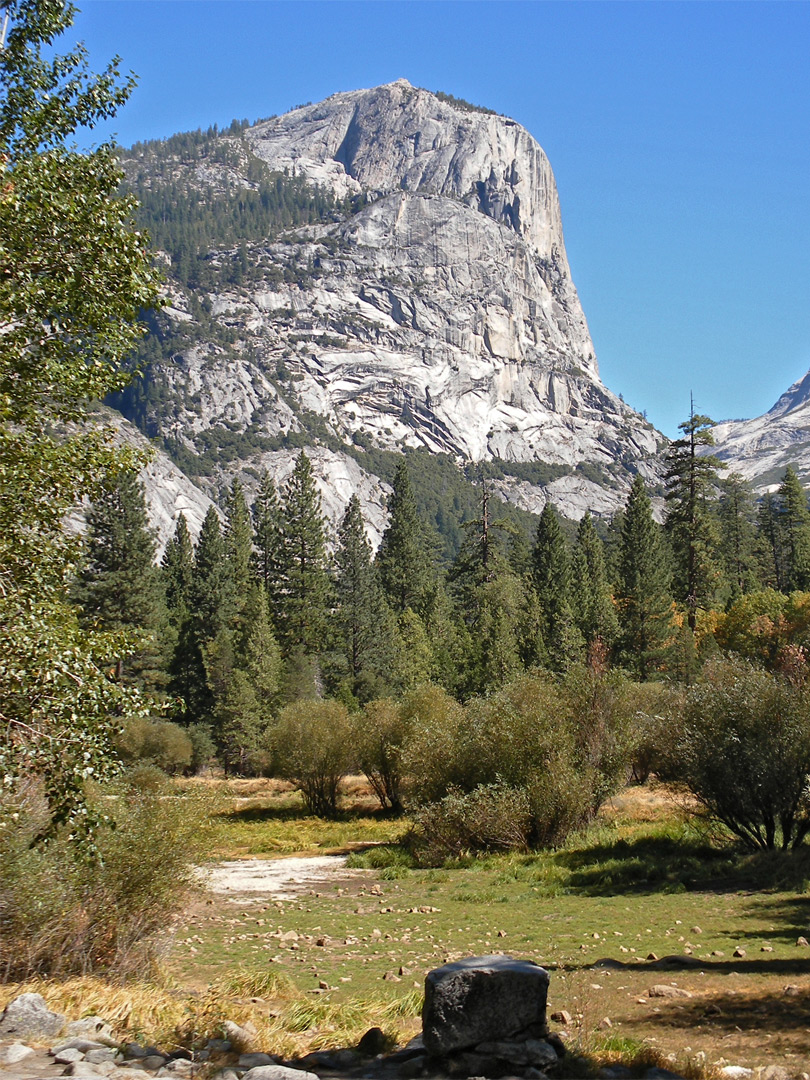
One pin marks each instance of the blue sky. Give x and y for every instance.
(679, 134)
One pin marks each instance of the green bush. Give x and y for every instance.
(312, 746)
(156, 742)
(491, 817)
(564, 744)
(741, 745)
(61, 913)
(380, 732)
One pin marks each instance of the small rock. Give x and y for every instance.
(713, 1010)
(373, 1042)
(605, 1024)
(791, 990)
(717, 952)
(695, 930)
(766, 948)
(153, 1062)
(774, 1072)
(252, 1061)
(614, 1072)
(92, 1027)
(738, 952)
(803, 942)
(651, 956)
(96, 1057)
(65, 1057)
(664, 990)
(214, 1046)
(134, 1050)
(240, 1036)
(277, 1072)
(14, 1052)
(562, 1017)
(736, 1072)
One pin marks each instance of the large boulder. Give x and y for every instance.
(28, 1016)
(482, 999)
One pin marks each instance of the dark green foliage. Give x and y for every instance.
(691, 525)
(188, 217)
(364, 622)
(238, 539)
(645, 610)
(461, 104)
(267, 533)
(742, 747)
(404, 559)
(306, 584)
(118, 585)
(177, 570)
(551, 572)
(591, 597)
(793, 533)
(736, 516)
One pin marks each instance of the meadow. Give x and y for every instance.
(647, 881)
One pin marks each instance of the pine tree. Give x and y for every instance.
(736, 517)
(645, 609)
(363, 619)
(403, 560)
(492, 601)
(769, 543)
(592, 600)
(552, 582)
(238, 541)
(794, 533)
(268, 540)
(118, 585)
(177, 570)
(692, 482)
(307, 593)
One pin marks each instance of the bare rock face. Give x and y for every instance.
(441, 315)
(761, 449)
(482, 999)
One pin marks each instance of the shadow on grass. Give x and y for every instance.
(659, 971)
(666, 863)
(249, 814)
(733, 1013)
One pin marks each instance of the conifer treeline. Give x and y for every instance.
(268, 609)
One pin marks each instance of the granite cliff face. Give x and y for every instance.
(440, 314)
(761, 449)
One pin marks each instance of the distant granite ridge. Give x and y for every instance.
(761, 449)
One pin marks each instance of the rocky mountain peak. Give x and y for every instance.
(399, 137)
(411, 292)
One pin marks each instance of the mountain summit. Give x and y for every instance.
(426, 302)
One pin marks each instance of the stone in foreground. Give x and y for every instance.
(482, 999)
(29, 1017)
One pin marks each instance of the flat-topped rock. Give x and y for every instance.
(482, 999)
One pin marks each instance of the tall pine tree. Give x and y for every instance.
(118, 584)
(551, 569)
(645, 606)
(364, 621)
(794, 533)
(404, 559)
(592, 599)
(691, 524)
(306, 585)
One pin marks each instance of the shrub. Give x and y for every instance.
(312, 747)
(742, 747)
(156, 742)
(379, 734)
(61, 913)
(491, 817)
